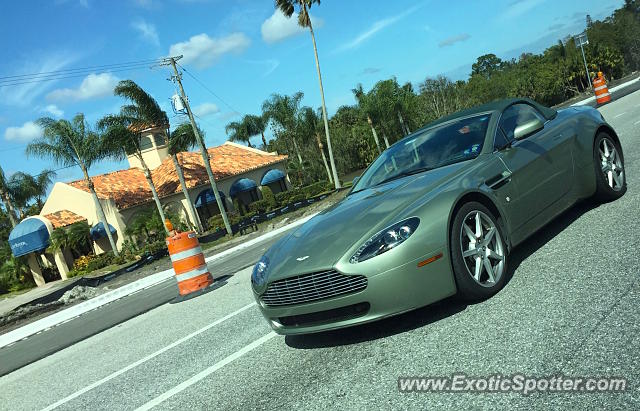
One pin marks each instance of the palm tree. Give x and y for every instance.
(183, 139)
(282, 111)
(237, 131)
(24, 187)
(309, 122)
(42, 183)
(70, 143)
(6, 199)
(123, 131)
(304, 20)
(365, 106)
(256, 125)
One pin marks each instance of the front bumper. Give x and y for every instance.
(389, 293)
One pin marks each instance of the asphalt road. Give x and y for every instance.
(47, 342)
(570, 308)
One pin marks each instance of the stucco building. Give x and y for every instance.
(240, 172)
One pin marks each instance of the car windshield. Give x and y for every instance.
(436, 147)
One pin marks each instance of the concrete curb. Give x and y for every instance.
(128, 289)
(611, 90)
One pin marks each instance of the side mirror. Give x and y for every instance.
(527, 129)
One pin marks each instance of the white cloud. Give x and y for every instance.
(279, 27)
(450, 41)
(376, 27)
(25, 133)
(53, 110)
(147, 31)
(205, 109)
(93, 86)
(203, 51)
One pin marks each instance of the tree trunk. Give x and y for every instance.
(10, 210)
(375, 135)
(386, 140)
(100, 211)
(264, 141)
(185, 191)
(324, 107)
(324, 158)
(295, 145)
(405, 129)
(147, 175)
(249, 144)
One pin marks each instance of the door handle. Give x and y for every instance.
(499, 180)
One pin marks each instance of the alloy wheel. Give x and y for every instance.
(611, 164)
(482, 248)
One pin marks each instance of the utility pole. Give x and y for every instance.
(582, 40)
(203, 149)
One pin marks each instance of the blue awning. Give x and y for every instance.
(243, 184)
(28, 236)
(272, 176)
(98, 231)
(207, 197)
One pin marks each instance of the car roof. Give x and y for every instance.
(494, 106)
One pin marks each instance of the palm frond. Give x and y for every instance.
(183, 138)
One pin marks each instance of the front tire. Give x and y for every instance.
(478, 252)
(611, 181)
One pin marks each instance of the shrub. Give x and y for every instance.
(129, 250)
(238, 206)
(15, 275)
(267, 195)
(154, 247)
(217, 222)
(260, 206)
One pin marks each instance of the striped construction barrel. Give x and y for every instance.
(602, 92)
(188, 262)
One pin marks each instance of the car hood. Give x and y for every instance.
(320, 242)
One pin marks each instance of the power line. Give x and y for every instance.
(18, 82)
(54, 170)
(207, 88)
(67, 71)
(12, 148)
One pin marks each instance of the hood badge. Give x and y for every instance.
(302, 258)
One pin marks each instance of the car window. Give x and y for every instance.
(515, 116)
(455, 141)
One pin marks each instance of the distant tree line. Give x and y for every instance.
(389, 110)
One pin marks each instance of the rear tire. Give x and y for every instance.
(478, 252)
(608, 161)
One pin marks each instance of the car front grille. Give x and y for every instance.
(307, 288)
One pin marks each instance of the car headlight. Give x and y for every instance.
(258, 276)
(386, 239)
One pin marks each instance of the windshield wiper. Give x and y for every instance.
(405, 173)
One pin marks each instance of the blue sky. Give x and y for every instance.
(243, 51)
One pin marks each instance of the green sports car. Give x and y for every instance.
(437, 213)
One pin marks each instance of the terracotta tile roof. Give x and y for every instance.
(129, 187)
(63, 218)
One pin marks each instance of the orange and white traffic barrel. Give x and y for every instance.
(601, 89)
(192, 273)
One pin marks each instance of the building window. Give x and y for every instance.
(145, 143)
(159, 139)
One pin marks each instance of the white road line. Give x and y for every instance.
(147, 358)
(618, 115)
(208, 371)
